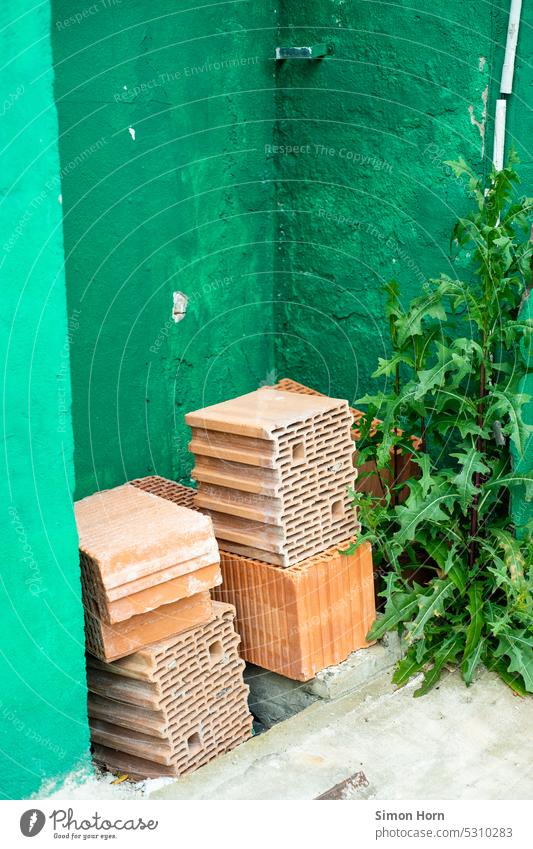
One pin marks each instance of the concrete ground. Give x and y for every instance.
(376, 741)
(454, 743)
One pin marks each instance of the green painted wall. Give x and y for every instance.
(367, 195)
(363, 189)
(43, 726)
(187, 205)
(278, 198)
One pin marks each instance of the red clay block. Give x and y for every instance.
(138, 553)
(367, 476)
(167, 489)
(273, 471)
(109, 642)
(173, 706)
(300, 620)
(185, 586)
(293, 621)
(131, 535)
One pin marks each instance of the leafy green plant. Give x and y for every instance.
(458, 583)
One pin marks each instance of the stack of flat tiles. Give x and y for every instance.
(172, 707)
(368, 479)
(147, 567)
(294, 621)
(273, 471)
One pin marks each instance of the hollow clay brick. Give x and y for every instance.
(137, 553)
(298, 621)
(367, 477)
(167, 489)
(293, 621)
(109, 642)
(174, 706)
(273, 471)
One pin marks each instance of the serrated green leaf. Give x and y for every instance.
(455, 569)
(423, 461)
(513, 551)
(427, 306)
(399, 608)
(470, 663)
(474, 644)
(461, 297)
(471, 461)
(447, 397)
(445, 654)
(419, 508)
(387, 367)
(437, 550)
(507, 403)
(436, 376)
(406, 668)
(514, 479)
(518, 647)
(504, 244)
(522, 327)
(429, 606)
(510, 678)
(466, 427)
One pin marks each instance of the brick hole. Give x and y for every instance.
(216, 652)
(337, 510)
(194, 744)
(298, 452)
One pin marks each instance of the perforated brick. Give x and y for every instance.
(368, 479)
(165, 488)
(110, 642)
(298, 621)
(139, 553)
(174, 706)
(273, 471)
(293, 621)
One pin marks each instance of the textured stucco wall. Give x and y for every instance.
(353, 191)
(190, 162)
(43, 725)
(363, 190)
(186, 205)
(303, 183)
(368, 195)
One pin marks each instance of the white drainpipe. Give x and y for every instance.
(506, 84)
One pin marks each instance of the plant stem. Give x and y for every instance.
(422, 434)
(395, 472)
(480, 445)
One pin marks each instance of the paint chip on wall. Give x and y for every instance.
(131, 131)
(480, 124)
(179, 307)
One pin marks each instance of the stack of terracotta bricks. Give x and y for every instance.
(368, 479)
(166, 692)
(274, 470)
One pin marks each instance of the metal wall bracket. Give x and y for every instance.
(315, 51)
